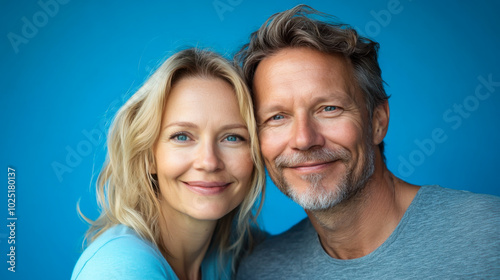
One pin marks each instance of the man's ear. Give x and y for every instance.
(380, 122)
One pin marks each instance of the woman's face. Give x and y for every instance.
(203, 158)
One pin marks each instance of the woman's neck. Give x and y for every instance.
(186, 241)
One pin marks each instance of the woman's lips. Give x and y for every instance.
(207, 187)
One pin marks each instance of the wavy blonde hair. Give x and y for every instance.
(126, 189)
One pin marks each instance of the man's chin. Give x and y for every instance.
(315, 199)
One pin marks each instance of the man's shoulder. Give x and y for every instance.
(449, 215)
(288, 240)
(277, 251)
(119, 253)
(454, 230)
(470, 203)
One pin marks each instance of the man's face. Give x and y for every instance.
(314, 127)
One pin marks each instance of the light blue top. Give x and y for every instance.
(120, 253)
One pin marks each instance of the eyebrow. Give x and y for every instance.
(192, 125)
(234, 126)
(273, 108)
(331, 97)
(184, 124)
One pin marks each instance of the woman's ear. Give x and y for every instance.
(152, 168)
(380, 122)
(152, 162)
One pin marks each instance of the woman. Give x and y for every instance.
(182, 176)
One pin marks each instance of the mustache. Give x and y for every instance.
(316, 155)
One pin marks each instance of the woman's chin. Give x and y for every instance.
(210, 210)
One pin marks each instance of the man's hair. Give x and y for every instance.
(303, 26)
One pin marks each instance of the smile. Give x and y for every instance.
(206, 187)
(310, 167)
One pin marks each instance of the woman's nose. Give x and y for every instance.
(208, 158)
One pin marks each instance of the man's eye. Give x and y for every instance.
(330, 108)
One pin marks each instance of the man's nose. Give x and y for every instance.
(306, 134)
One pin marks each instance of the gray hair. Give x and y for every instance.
(299, 27)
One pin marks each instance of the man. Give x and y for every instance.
(323, 113)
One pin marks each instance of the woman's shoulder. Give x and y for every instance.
(120, 253)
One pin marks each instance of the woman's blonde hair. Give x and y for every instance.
(127, 192)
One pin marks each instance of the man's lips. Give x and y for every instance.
(207, 187)
(307, 167)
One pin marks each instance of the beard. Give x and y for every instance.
(317, 196)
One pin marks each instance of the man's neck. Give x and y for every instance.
(358, 226)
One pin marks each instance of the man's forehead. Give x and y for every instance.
(278, 74)
(303, 58)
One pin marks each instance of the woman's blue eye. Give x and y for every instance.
(277, 117)
(181, 137)
(330, 108)
(232, 138)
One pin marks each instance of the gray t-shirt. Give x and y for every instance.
(444, 234)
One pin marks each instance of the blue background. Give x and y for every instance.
(64, 77)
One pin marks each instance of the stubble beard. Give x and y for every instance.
(317, 196)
